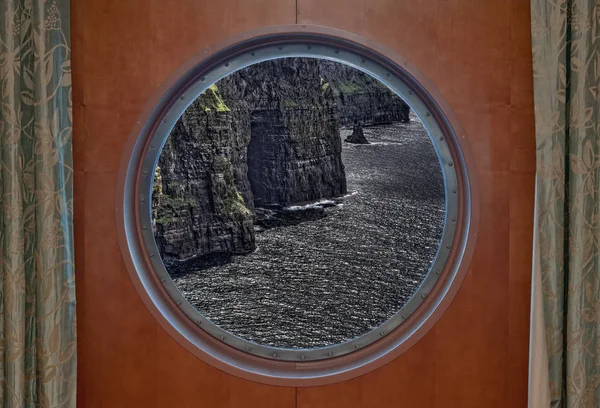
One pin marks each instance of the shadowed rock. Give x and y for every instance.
(360, 96)
(201, 199)
(357, 136)
(294, 154)
(264, 135)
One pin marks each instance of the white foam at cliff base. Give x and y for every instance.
(307, 206)
(317, 204)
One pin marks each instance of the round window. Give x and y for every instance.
(295, 207)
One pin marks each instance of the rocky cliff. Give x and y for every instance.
(361, 97)
(202, 202)
(294, 154)
(266, 136)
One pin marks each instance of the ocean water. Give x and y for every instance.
(334, 277)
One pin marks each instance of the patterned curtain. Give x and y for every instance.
(566, 65)
(37, 289)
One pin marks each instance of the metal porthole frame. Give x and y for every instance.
(278, 365)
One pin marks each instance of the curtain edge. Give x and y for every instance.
(539, 381)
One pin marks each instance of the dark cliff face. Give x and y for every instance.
(294, 154)
(202, 201)
(361, 97)
(266, 135)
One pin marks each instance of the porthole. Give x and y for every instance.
(279, 229)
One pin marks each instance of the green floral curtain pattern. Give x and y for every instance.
(566, 65)
(37, 289)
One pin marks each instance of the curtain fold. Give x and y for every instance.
(539, 383)
(37, 288)
(566, 66)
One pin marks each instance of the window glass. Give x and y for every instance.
(298, 203)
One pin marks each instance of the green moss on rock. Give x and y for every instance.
(229, 201)
(234, 206)
(211, 99)
(289, 103)
(157, 184)
(349, 87)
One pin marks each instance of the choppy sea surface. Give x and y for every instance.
(327, 280)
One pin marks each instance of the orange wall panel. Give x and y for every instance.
(476, 53)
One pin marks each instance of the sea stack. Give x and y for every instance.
(357, 136)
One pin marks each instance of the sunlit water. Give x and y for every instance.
(327, 280)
